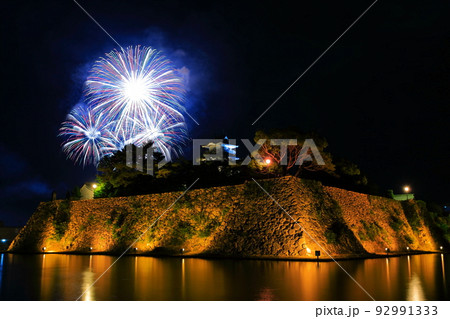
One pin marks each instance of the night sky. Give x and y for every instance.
(381, 95)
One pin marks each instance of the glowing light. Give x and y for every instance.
(406, 189)
(308, 250)
(441, 247)
(407, 248)
(4, 240)
(135, 90)
(94, 186)
(268, 161)
(415, 290)
(87, 285)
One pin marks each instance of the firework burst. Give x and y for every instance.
(133, 96)
(87, 138)
(162, 130)
(130, 83)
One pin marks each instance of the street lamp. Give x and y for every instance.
(94, 186)
(267, 161)
(406, 189)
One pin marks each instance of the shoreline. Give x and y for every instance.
(219, 257)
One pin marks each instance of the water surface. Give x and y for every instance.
(66, 277)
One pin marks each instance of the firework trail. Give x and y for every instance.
(133, 96)
(86, 134)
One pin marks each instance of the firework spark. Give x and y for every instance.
(87, 137)
(130, 83)
(163, 131)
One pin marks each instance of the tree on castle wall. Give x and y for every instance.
(283, 160)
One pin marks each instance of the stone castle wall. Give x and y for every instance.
(239, 220)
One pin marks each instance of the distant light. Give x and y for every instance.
(44, 248)
(94, 186)
(4, 240)
(268, 161)
(135, 249)
(386, 249)
(308, 250)
(90, 248)
(407, 248)
(441, 248)
(407, 189)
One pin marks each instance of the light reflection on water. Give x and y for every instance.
(66, 277)
(415, 291)
(87, 286)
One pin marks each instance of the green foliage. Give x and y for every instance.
(335, 232)
(330, 236)
(412, 215)
(362, 235)
(316, 189)
(180, 233)
(409, 239)
(123, 226)
(268, 150)
(61, 219)
(115, 172)
(183, 202)
(346, 167)
(224, 211)
(74, 194)
(206, 224)
(372, 230)
(396, 223)
(349, 173)
(252, 190)
(209, 228)
(115, 178)
(437, 220)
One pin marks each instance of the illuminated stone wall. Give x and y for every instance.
(230, 221)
